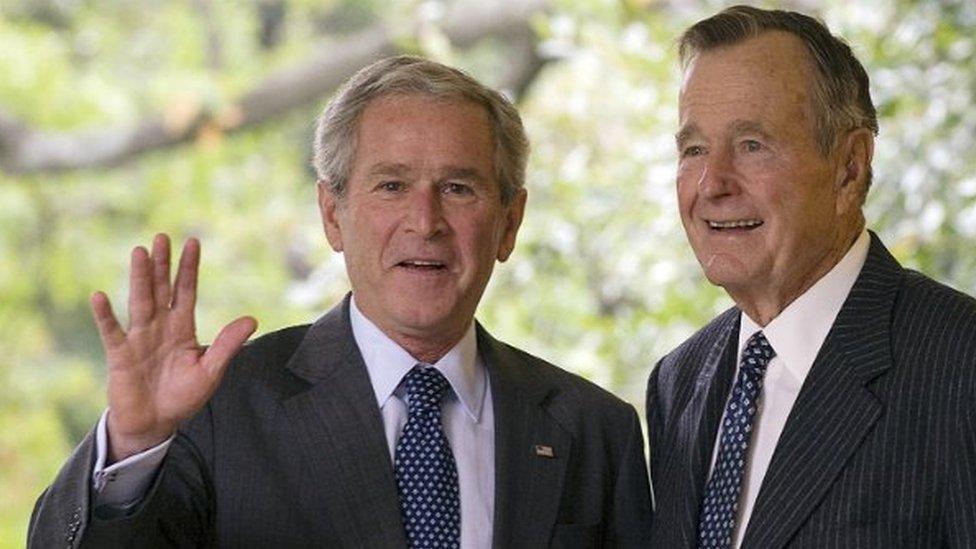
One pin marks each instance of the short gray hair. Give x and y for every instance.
(841, 94)
(335, 134)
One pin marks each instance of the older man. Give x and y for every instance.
(834, 405)
(395, 420)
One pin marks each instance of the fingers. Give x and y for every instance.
(228, 342)
(185, 286)
(160, 261)
(141, 301)
(109, 330)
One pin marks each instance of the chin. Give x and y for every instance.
(423, 315)
(724, 271)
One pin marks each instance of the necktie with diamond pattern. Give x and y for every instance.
(716, 523)
(425, 471)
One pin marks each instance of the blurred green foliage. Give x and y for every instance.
(602, 281)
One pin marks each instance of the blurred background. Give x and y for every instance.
(123, 118)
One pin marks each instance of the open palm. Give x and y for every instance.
(158, 373)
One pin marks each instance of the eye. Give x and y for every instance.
(693, 150)
(391, 186)
(751, 145)
(454, 187)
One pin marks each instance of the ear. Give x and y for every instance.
(328, 209)
(854, 168)
(513, 220)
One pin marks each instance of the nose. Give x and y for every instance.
(426, 216)
(718, 177)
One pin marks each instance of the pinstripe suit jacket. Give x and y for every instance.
(290, 452)
(879, 450)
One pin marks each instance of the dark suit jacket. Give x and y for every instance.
(290, 452)
(879, 450)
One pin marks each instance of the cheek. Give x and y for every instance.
(480, 242)
(685, 176)
(686, 184)
(368, 240)
(686, 202)
(806, 205)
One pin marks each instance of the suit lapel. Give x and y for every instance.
(699, 423)
(834, 410)
(338, 430)
(528, 486)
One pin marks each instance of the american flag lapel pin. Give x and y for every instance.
(544, 451)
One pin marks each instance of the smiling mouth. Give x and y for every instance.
(735, 224)
(422, 265)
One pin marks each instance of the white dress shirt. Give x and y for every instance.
(467, 417)
(796, 335)
(466, 414)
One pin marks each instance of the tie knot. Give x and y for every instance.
(425, 385)
(758, 353)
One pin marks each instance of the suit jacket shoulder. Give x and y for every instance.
(569, 462)
(929, 312)
(581, 392)
(674, 377)
(260, 366)
(700, 343)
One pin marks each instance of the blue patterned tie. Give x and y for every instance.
(716, 522)
(424, 466)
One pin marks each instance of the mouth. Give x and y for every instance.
(422, 265)
(736, 225)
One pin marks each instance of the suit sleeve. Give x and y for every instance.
(61, 513)
(176, 512)
(632, 499)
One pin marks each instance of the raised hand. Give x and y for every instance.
(158, 374)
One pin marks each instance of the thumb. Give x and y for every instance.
(227, 343)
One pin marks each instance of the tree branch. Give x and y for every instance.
(24, 149)
(525, 63)
(215, 47)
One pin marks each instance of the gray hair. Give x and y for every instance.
(335, 134)
(841, 95)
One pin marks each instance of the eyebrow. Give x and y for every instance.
(740, 127)
(687, 132)
(737, 127)
(389, 168)
(460, 172)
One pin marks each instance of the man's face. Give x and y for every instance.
(762, 207)
(422, 221)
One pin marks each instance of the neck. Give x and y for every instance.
(424, 349)
(429, 345)
(765, 306)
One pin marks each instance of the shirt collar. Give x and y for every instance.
(387, 363)
(798, 332)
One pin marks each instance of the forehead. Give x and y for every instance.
(421, 117)
(765, 77)
(417, 106)
(419, 133)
